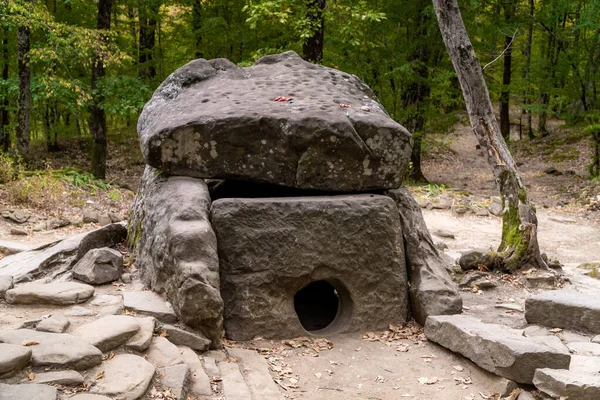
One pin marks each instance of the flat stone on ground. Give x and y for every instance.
(99, 266)
(106, 300)
(255, 370)
(180, 337)
(584, 348)
(6, 283)
(149, 303)
(507, 352)
(175, 378)
(587, 364)
(108, 332)
(564, 309)
(199, 381)
(87, 396)
(163, 353)
(56, 293)
(126, 377)
(59, 350)
(142, 339)
(66, 378)
(13, 358)
(30, 391)
(568, 384)
(56, 323)
(234, 386)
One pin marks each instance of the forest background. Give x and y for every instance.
(76, 73)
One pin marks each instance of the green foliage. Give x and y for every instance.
(594, 132)
(81, 180)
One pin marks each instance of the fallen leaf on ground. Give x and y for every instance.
(30, 342)
(100, 375)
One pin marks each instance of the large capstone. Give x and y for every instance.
(321, 264)
(212, 119)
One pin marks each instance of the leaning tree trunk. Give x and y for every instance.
(24, 101)
(519, 246)
(97, 119)
(312, 50)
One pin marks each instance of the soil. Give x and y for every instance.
(367, 365)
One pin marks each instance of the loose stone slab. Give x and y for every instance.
(87, 396)
(59, 350)
(143, 337)
(126, 377)
(149, 303)
(163, 353)
(234, 386)
(256, 373)
(584, 348)
(28, 391)
(13, 358)
(108, 332)
(56, 293)
(199, 381)
(99, 266)
(56, 323)
(507, 352)
(568, 384)
(6, 283)
(564, 309)
(175, 378)
(353, 242)
(66, 378)
(180, 337)
(189, 127)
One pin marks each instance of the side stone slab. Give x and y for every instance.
(176, 249)
(497, 348)
(564, 309)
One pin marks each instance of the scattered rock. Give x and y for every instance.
(234, 386)
(564, 309)
(482, 212)
(443, 203)
(78, 311)
(108, 332)
(508, 353)
(470, 279)
(474, 258)
(570, 337)
(175, 378)
(423, 203)
(596, 339)
(256, 374)
(511, 307)
(163, 353)
(126, 377)
(552, 171)
(444, 234)
(99, 266)
(18, 231)
(115, 218)
(28, 391)
(56, 223)
(66, 378)
(18, 216)
(142, 339)
(6, 283)
(104, 220)
(538, 281)
(181, 337)
(56, 293)
(525, 396)
(535, 330)
(568, 384)
(13, 358)
(149, 303)
(126, 278)
(496, 209)
(56, 323)
(87, 396)
(199, 381)
(55, 350)
(90, 217)
(106, 300)
(210, 366)
(9, 247)
(584, 348)
(110, 310)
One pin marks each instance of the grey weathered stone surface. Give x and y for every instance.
(431, 289)
(55, 349)
(57, 293)
(199, 382)
(106, 300)
(191, 128)
(564, 309)
(497, 348)
(584, 348)
(163, 353)
(149, 303)
(142, 339)
(353, 241)
(56, 323)
(176, 379)
(176, 249)
(8, 247)
(87, 396)
(108, 332)
(6, 283)
(472, 258)
(588, 364)
(59, 257)
(210, 366)
(28, 391)
(126, 377)
(66, 378)
(13, 358)
(256, 374)
(181, 337)
(234, 386)
(568, 384)
(110, 310)
(99, 266)
(78, 311)
(595, 339)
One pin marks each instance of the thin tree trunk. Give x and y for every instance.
(519, 246)
(4, 116)
(505, 94)
(24, 104)
(97, 121)
(197, 27)
(312, 50)
(148, 13)
(526, 68)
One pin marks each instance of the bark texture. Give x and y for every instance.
(24, 102)
(519, 246)
(97, 119)
(506, 75)
(312, 50)
(148, 22)
(4, 119)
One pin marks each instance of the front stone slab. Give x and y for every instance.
(564, 309)
(278, 256)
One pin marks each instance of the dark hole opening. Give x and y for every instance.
(316, 305)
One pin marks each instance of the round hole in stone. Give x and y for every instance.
(323, 306)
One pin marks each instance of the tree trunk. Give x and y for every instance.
(197, 27)
(148, 13)
(519, 246)
(526, 72)
(97, 119)
(24, 104)
(312, 49)
(505, 94)
(4, 116)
